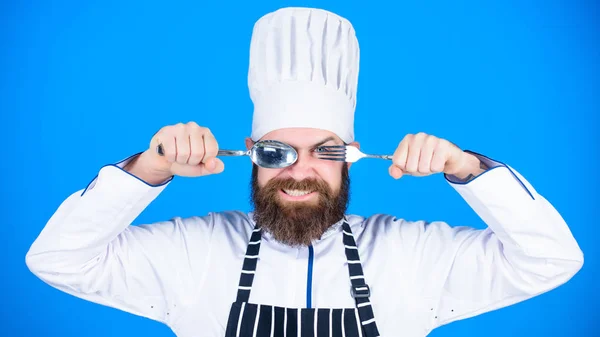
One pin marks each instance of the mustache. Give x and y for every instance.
(309, 184)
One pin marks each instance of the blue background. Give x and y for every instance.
(84, 84)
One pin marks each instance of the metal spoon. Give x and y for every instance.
(264, 153)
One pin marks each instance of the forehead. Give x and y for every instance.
(303, 137)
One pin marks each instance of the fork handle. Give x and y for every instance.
(380, 156)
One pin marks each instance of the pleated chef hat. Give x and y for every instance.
(303, 72)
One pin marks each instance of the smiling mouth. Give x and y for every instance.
(296, 193)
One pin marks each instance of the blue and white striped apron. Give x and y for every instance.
(259, 320)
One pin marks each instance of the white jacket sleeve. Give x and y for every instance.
(89, 248)
(527, 248)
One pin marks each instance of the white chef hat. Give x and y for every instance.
(303, 72)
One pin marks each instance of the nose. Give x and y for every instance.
(304, 167)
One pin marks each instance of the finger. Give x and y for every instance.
(211, 147)
(196, 146)
(427, 150)
(182, 141)
(401, 153)
(414, 153)
(440, 155)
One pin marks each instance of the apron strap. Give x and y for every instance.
(249, 267)
(360, 289)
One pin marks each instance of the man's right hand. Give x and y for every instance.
(189, 150)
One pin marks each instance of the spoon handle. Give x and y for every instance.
(231, 153)
(160, 150)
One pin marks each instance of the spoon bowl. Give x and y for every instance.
(272, 154)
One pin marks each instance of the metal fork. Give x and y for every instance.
(346, 153)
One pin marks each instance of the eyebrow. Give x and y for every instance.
(330, 138)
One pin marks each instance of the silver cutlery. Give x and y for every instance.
(346, 153)
(264, 153)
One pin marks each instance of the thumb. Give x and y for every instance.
(215, 165)
(212, 166)
(395, 172)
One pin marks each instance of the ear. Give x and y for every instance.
(249, 143)
(355, 144)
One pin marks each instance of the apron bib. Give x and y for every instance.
(260, 320)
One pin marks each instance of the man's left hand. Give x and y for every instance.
(422, 155)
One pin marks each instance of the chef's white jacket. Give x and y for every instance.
(184, 272)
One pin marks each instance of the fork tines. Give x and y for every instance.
(333, 152)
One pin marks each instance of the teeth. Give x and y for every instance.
(296, 193)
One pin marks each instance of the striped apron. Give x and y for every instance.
(259, 320)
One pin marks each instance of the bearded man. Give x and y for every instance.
(298, 265)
